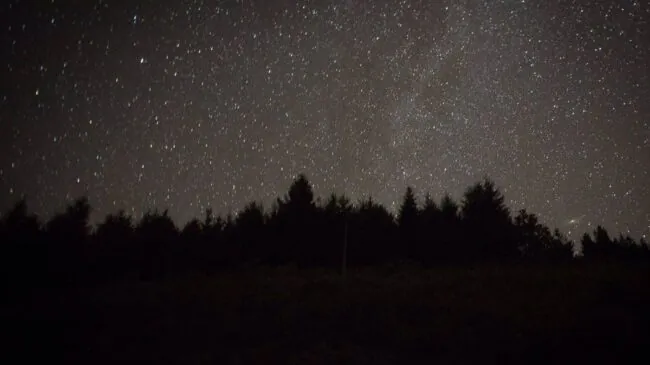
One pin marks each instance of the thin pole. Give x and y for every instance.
(344, 262)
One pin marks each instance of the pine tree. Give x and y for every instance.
(407, 221)
(488, 224)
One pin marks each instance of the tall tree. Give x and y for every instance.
(488, 224)
(115, 229)
(294, 222)
(21, 255)
(372, 232)
(448, 208)
(68, 233)
(333, 231)
(157, 234)
(250, 224)
(449, 235)
(601, 247)
(429, 246)
(407, 220)
(114, 241)
(588, 249)
(536, 242)
(72, 226)
(301, 195)
(18, 226)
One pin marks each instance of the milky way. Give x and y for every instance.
(190, 104)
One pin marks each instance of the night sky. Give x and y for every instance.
(190, 104)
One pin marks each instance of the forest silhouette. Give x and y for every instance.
(313, 281)
(298, 230)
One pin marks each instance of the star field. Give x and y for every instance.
(196, 104)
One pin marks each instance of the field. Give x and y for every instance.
(573, 314)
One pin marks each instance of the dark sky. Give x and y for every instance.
(190, 104)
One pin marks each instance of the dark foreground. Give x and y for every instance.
(482, 315)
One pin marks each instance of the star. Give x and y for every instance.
(226, 102)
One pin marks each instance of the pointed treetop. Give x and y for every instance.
(300, 192)
(429, 203)
(408, 211)
(448, 207)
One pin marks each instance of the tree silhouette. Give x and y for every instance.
(588, 246)
(299, 229)
(116, 229)
(250, 227)
(601, 247)
(602, 237)
(156, 228)
(431, 213)
(489, 230)
(115, 238)
(156, 233)
(449, 209)
(72, 226)
(21, 254)
(644, 250)
(188, 249)
(430, 248)
(294, 222)
(210, 251)
(192, 230)
(67, 249)
(536, 242)
(372, 234)
(300, 193)
(333, 227)
(449, 235)
(18, 227)
(407, 221)
(561, 249)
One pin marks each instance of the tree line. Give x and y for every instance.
(298, 230)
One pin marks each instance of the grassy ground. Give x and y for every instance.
(455, 315)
